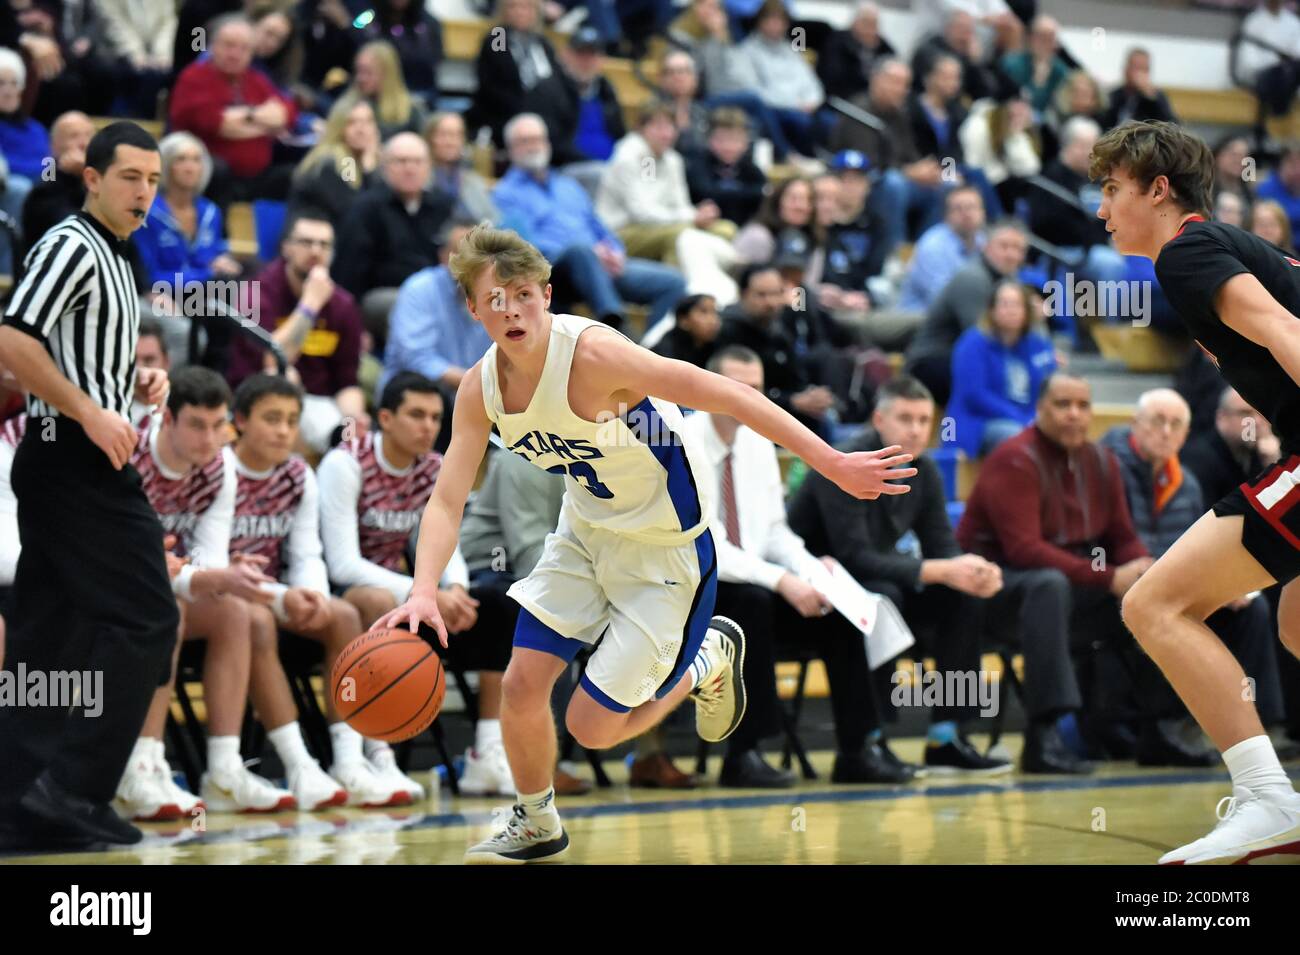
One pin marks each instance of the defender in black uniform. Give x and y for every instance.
(1239, 297)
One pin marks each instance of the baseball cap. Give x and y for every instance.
(586, 39)
(850, 159)
(792, 250)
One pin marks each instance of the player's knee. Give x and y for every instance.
(347, 620)
(1145, 614)
(1289, 634)
(233, 618)
(590, 732)
(522, 688)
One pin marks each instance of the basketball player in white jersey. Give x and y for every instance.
(631, 560)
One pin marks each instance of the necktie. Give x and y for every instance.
(729, 515)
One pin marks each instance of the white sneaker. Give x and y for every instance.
(240, 790)
(487, 772)
(313, 788)
(142, 795)
(1250, 826)
(720, 700)
(521, 839)
(184, 798)
(384, 764)
(365, 787)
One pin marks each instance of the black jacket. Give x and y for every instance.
(923, 134)
(380, 244)
(49, 203)
(887, 148)
(1061, 223)
(677, 343)
(855, 251)
(977, 81)
(737, 190)
(501, 95)
(324, 189)
(784, 373)
(1126, 104)
(862, 535)
(1208, 456)
(844, 64)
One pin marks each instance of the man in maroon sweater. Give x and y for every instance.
(238, 112)
(1049, 507)
(317, 325)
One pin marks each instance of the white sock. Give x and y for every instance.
(287, 740)
(701, 666)
(142, 752)
(373, 747)
(1253, 764)
(347, 744)
(223, 754)
(487, 733)
(540, 806)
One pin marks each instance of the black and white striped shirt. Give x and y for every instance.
(79, 298)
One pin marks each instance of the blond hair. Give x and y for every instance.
(394, 100)
(331, 148)
(503, 249)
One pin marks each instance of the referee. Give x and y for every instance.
(91, 591)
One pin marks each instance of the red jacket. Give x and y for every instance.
(1036, 505)
(197, 102)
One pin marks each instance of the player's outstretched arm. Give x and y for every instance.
(1245, 306)
(613, 362)
(440, 525)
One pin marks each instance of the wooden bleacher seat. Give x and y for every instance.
(1229, 107)
(241, 230)
(1140, 349)
(1107, 416)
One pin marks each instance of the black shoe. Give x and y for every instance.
(1159, 745)
(871, 766)
(1046, 752)
(66, 812)
(892, 759)
(959, 756)
(29, 835)
(748, 770)
(1109, 740)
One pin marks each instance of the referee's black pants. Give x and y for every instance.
(91, 593)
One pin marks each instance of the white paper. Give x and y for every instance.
(883, 628)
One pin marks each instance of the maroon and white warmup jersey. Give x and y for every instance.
(197, 505)
(277, 517)
(11, 432)
(368, 510)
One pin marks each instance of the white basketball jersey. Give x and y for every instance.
(633, 475)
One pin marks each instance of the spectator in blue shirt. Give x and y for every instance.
(552, 211)
(997, 369)
(24, 144)
(943, 249)
(183, 240)
(430, 330)
(1283, 186)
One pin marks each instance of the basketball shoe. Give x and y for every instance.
(147, 792)
(487, 772)
(1251, 825)
(720, 693)
(520, 839)
(384, 763)
(235, 788)
(364, 786)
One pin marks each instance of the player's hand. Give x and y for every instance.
(244, 579)
(419, 608)
(306, 609)
(151, 386)
(459, 610)
(868, 474)
(802, 596)
(1126, 575)
(174, 563)
(972, 574)
(112, 434)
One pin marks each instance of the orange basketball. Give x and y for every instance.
(388, 684)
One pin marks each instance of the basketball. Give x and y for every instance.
(388, 685)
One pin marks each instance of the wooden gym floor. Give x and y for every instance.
(1123, 814)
